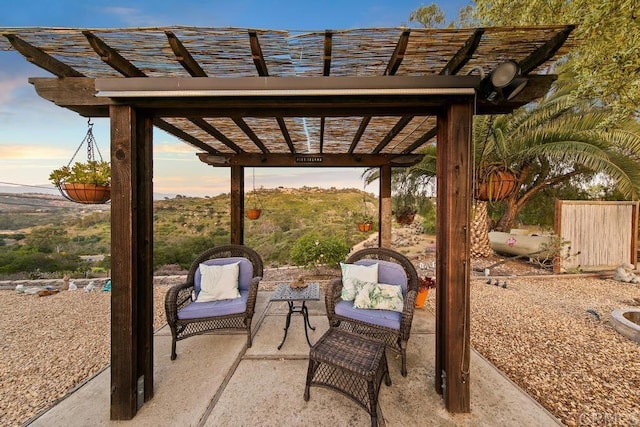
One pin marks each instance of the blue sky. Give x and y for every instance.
(36, 136)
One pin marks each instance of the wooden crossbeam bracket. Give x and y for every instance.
(111, 57)
(211, 130)
(184, 57)
(285, 133)
(42, 59)
(395, 130)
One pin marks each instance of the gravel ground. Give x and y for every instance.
(537, 331)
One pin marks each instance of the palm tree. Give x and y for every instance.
(544, 144)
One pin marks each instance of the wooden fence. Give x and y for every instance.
(605, 234)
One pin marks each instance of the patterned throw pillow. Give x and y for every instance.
(379, 296)
(352, 274)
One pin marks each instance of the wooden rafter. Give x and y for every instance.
(184, 56)
(404, 121)
(42, 59)
(179, 133)
(326, 58)
(356, 138)
(211, 130)
(326, 70)
(455, 64)
(464, 54)
(256, 54)
(420, 141)
(110, 56)
(546, 51)
(247, 130)
(398, 54)
(285, 133)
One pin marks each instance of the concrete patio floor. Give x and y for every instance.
(217, 381)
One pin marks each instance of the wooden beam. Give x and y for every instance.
(356, 138)
(464, 54)
(310, 160)
(256, 54)
(42, 59)
(131, 262)
(237, 205)
(421, 141)
(211, 130)
(322, 125)
(326, 58)
(179, 133)
(395, 130)
(398, 54)
(184, 56)
(546, 51)
(454, 190)
(384, 208)
(111, 57)
(247, 130)
(285, 134)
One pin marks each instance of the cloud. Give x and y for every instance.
(32, 152)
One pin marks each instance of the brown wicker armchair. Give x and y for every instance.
(187, 318)
(393, 328)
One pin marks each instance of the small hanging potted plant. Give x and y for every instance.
(424, 284)
(364, 221)
(87, 182)
(495, 182)
(405, 201)
(84, 182)
(253, 200)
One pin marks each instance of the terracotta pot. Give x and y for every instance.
(496, 185)
(253, 213)
(406, 219)
(421, 298)
(364, 226)
(87, 193)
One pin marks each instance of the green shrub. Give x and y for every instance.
(314, 249)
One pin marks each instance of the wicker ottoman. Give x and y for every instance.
(351, 364)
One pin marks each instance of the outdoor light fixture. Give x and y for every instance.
(503, 82)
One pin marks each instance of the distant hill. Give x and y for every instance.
(185, 226)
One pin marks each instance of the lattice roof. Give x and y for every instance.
(239, 52)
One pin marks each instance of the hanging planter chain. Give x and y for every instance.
(91, 144)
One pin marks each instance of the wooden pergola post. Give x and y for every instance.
(237, 205)
(454, 174)
(131, 261)
(384, 208)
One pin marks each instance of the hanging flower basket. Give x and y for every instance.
(253, 213)
(88, 182)
(87, 193)
(405, 215)
(365, 226)
(496, 184)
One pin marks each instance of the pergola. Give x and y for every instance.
(262, 98)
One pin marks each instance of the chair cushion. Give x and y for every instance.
(197, 310)
(388, 272)
(244, 276)
(379, 296)
(218, 282)
(385, 318)
(353, 275)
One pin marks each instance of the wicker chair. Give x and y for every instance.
(187, 319)
(391, 327)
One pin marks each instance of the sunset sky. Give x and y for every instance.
(36, 136)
